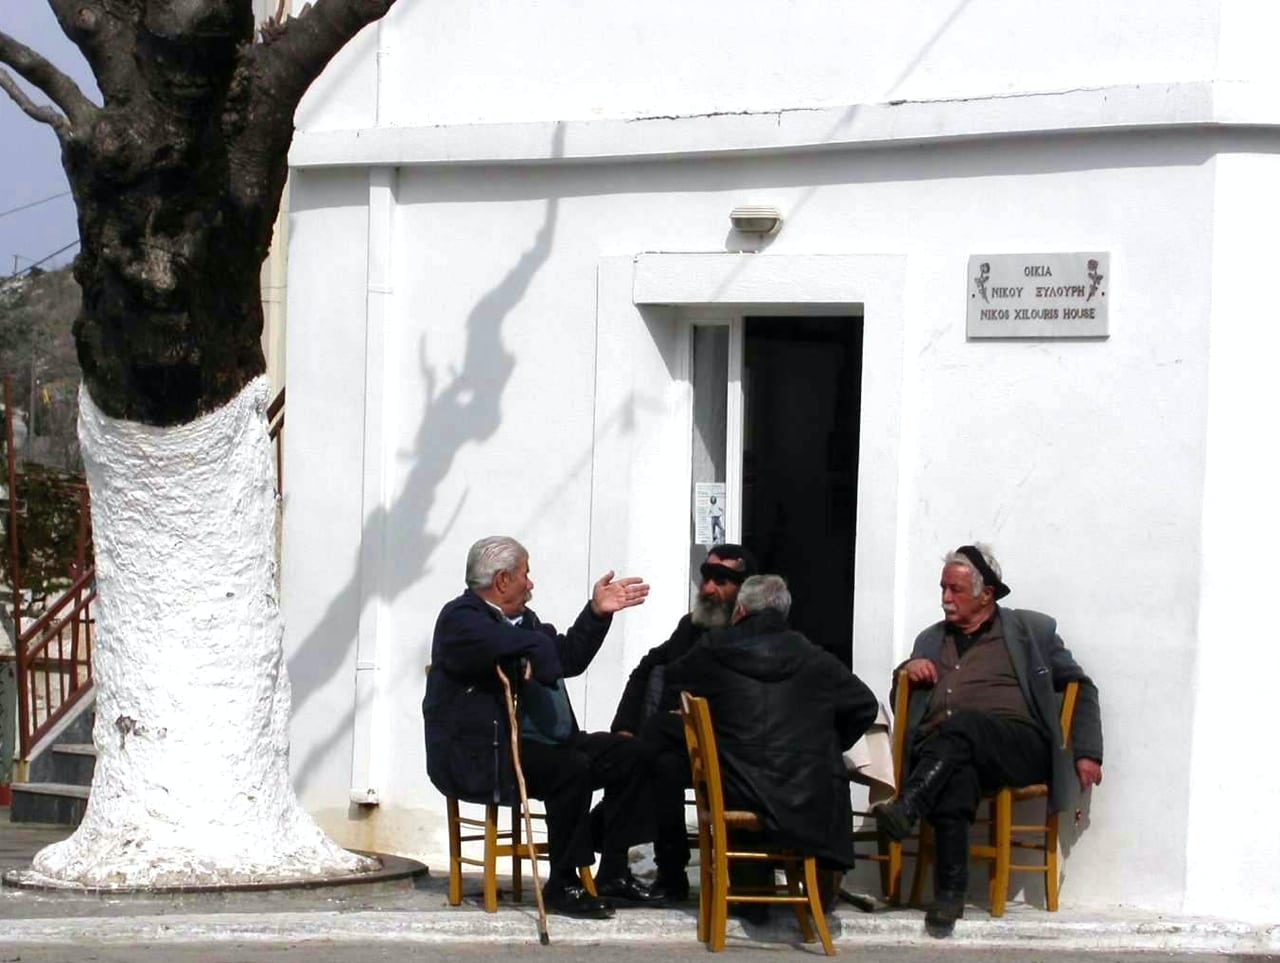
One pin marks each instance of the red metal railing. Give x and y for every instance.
(55, 653)
(55, 662)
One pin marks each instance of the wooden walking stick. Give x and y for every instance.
(543, 938)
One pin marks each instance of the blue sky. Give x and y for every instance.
(30, 169)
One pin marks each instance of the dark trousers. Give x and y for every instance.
(662, 736)
(564, 776)
(986, 752)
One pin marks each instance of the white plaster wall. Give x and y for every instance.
(1232, 866)
(322, 484)
(458, 61)
(1082, 462)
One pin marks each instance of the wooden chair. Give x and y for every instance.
(498, 844)
(889, 852)
(1003, 833)
(715, 822)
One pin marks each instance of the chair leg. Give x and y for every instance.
(719, 898)
(588, 881)
(1003, 821)
(1051, 864)
(892, 869)
(455, 853)
(517, 857)
(794, 889)
(705, 886)
(815, 905)
(491, 858)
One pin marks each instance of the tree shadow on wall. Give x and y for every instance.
(465, 407)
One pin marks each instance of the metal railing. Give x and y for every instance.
(55, 662)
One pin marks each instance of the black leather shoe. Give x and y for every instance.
(675, 886)
(574, 900)
(629, 891)
(946, 908)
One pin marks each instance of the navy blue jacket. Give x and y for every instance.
(464, 712)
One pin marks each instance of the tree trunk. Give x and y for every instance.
(192, 780)
(177, 177)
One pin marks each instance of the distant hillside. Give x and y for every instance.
(36, 314)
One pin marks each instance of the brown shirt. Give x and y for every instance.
(975, 672)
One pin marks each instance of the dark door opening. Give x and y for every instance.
(802, 385)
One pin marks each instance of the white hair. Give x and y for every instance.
(761, 592)
(489, 556)
(955, 558)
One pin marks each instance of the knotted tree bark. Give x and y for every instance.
(177, 177)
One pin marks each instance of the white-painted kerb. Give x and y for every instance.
(192, 780)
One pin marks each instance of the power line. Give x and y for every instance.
(43, 200)
(47, 257)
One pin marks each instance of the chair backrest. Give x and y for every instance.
(704, 759)
(901, 699)
(1068, 713)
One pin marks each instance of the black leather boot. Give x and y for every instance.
(950, 876)
(898, 818)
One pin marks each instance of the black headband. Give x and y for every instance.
(980, 564)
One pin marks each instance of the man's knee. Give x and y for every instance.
(559, 771)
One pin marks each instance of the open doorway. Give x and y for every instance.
(801, 386)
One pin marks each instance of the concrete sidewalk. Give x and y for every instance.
(417, 911)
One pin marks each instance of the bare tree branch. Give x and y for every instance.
(47, 78)
(300, 50)
(46, 115)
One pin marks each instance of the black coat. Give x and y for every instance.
(464, 711)
(783, 711)
(646, 691)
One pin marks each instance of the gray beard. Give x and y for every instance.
(710, 613)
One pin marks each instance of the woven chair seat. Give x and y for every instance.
(743, 819)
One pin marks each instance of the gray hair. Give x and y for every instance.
(489, 556)
(955, 558)
(761, 592)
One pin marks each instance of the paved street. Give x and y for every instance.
(410, 919)
(320, 952)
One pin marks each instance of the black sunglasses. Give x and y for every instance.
(722, 573)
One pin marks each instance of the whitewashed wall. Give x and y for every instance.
(466, 360)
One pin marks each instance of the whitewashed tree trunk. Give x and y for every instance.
(192, 781)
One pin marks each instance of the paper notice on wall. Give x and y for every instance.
(708, 513)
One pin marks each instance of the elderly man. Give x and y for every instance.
(784, 710)
(468, 743)
(647, 709)
(985, 715)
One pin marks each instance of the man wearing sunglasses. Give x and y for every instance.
(648, 707)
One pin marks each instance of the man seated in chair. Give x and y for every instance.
(648, 708)
(468, 735)
(985, 716)
(784, 710)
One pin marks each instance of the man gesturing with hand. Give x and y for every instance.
(468, 744)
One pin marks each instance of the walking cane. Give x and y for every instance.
(543, 938)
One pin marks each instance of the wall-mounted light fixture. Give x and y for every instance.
(755, 220)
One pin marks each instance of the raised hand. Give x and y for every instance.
(609, 596)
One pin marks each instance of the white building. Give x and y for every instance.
(519, 306)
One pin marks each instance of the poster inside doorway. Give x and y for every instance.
(708, 513)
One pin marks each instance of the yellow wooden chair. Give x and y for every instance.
(889, 852)
(1004, 835)
(498, 844)
(715, 823)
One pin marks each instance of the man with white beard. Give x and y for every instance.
(648, 709)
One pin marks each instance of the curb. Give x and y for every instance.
(639, 926)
